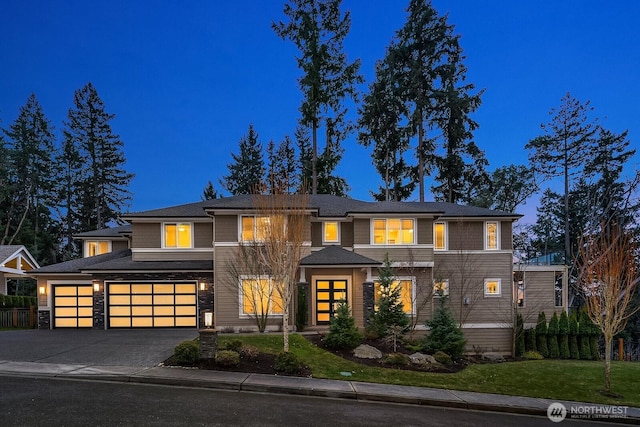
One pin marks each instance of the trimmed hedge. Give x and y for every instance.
(17, 301)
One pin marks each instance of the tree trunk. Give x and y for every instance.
(314, 158)
(285, 330)
(607, 362)
(420, 160)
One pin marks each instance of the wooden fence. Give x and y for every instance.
(18, 317)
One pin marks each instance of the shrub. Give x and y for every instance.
(396, 359)
(445, 334)
(343, 332)
(390, 311)
(563, 336)
(227, 358)
(552, 337)
(532, 355)
(186, 353)
(442, 357)
(530, 340)
(574, 351)
(584, 330)
(287, 363)
(302, 310)
(233, 345)
(541, 335)
(249, 351)
(519, 344)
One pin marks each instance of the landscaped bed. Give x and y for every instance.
(574, 380)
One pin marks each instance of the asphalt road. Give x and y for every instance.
(53, 402)
(113, 347)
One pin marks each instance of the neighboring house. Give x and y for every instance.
(179, 258)
(15, 263)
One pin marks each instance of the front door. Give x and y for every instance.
(328, 295)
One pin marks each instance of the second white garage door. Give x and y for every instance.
(152, 305)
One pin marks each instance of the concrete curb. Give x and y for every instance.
(239, 381)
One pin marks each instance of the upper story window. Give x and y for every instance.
(393, 231)
(492, 235)
(405, 286)
(559, 290)
(177, 235)
(331, 232)
(441, 288)
(97, 247)
(254, 228)
(492, 288)
(439, 236)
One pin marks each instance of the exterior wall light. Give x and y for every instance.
(203, 286)
(208, 319)
(42, 290)
(96, 286)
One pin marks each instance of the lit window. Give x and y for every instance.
(439, 236)
(406, 293)
(177, 235)
(259, 297)
(441, 288)
(331, 232)
(492, 288)
(559, 290)
(518, 279)
(393, 231)
(98, 247)
(256, 228)
(492, 236)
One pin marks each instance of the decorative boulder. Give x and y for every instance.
(422, 359)
(493, 357)
(365, 351)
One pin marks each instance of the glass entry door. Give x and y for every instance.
(328, 295)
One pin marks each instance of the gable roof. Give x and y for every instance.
(332, 256)
(16, 260)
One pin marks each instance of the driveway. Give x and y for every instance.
(131, 347)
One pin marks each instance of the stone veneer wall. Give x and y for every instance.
(98, 309)
(44, 319)
(368, 300)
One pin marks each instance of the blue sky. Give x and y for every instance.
(185, 79)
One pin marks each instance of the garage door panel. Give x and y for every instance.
(146, 305)
(72, 306)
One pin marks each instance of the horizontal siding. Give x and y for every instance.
(400, 254)
(506, 236)
(539, 295)
(226, 228)
(146, 235)
(119, 245)
(497, 340)
(465, 235)
(172, 255)
(203, 235)
(361, 231)
(346, 234)
(425, 231)
(316, 234)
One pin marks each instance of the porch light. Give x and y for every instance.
(208, 319)
(42, 290)
(203, 286)
(96, 286)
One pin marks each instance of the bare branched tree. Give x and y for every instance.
(608, 278)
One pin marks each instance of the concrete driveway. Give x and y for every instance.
(131, 347)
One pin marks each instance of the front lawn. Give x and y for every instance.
(552, 379)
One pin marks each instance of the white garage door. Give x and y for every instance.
(72, 306)
(152, 305)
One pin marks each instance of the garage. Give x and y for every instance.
(152, 305)
(73, 306)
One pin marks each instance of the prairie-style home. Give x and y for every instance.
(168, 267)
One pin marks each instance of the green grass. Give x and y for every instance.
(552, 379)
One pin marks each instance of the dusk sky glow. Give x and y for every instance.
(185, 79)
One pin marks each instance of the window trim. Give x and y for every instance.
(241, 313)
(386, 231)
(446, 288)
(411, 279)
(177, 223)
(492, 295)
(486, 236)
(444, 237)
(97, 242)
(324, 234)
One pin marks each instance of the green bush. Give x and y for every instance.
(343, 332)
(552, 337)
(520, 341)
(445, 334)
(541, 335)
(530, 340)
(249, 351)
(390, 311)
(187, 353)
(2, 303)
(227, 358)
(532, 355)
(574, 351)
(584, 331)
(563, 336)
(442, 357)
(233, 345)
(287, 363)
(302, 310)
(396, 359)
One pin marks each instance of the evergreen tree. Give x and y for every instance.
(209, 192)
(104, 193)
(520, 338)
(69, 201)
(548, 226)
(281, 174)
(573, 336)
(246, 173)
(584, 333)
(318, 29)
(563, 335)
(552, 337)
(444, 335)
(343, 332)
(390, 312)
(564, 148)
(511, 186)
(530, 340)
(30, 175)
(541, 335)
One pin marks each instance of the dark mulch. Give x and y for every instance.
(387, 348)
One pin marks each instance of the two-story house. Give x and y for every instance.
(170, 266)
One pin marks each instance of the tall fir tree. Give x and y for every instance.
(31, 181)
(318, 28)
(548, 229)
(69, 201)
(104, 190)
(389, 313)
(209, 192)
(246, 172)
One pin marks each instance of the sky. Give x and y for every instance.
(186, 79)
